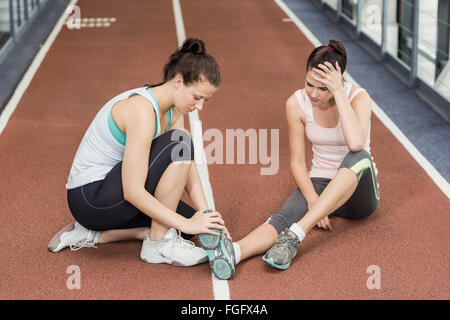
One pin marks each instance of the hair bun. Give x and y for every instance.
(193, 45)
(337, 46)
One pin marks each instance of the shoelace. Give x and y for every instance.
(180, 242)
(282, 245)
(83, 243)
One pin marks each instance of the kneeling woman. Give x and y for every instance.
(334, 116)
(134, 162)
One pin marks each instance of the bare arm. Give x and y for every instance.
(139, 124)
(355, 116)
(139, 128)
(296, 128)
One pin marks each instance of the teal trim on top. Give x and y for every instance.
(170, 119)
(115, 131)
(122, 137)
(169, 114)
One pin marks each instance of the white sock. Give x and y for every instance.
(96, 236)
(237, 252)
(295, 228)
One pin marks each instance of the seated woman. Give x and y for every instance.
(134, 162)
(334, 115)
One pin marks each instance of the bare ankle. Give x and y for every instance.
(143, 234)
(101, 237)
(156, 235)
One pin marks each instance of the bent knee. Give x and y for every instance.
(353, 157)
(183, 148)
(178, 133)
(357, 162)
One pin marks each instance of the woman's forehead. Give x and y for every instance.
(203, 88)
(313, 81)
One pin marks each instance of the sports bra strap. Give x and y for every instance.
(169, 115)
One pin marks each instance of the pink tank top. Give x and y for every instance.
(328, 144)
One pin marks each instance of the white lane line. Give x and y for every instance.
(179, 23)
(437, 178)
(220, 287)
(29, 74)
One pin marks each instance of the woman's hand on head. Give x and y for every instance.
(329, 75)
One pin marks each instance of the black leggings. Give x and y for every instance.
(361, 204)
(101, 206)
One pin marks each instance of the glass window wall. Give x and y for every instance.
(433, 45)
(371, 19)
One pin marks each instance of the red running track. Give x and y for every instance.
(262, 60)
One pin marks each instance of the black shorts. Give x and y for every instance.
(100, 205)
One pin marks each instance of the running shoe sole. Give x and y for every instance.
(56, 240)
(272, 264)
(220, 257)
(173, 262)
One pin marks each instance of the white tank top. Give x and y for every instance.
(328, 144)
(99, 150)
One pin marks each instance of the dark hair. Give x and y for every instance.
(193, 63)
(333, 52)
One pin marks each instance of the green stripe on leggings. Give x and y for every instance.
(359, 167)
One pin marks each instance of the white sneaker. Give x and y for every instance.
(75, 236)
(173, 249)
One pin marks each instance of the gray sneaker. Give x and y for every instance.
(283, 251)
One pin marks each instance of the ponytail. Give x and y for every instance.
(193, 63)
(333, 52)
